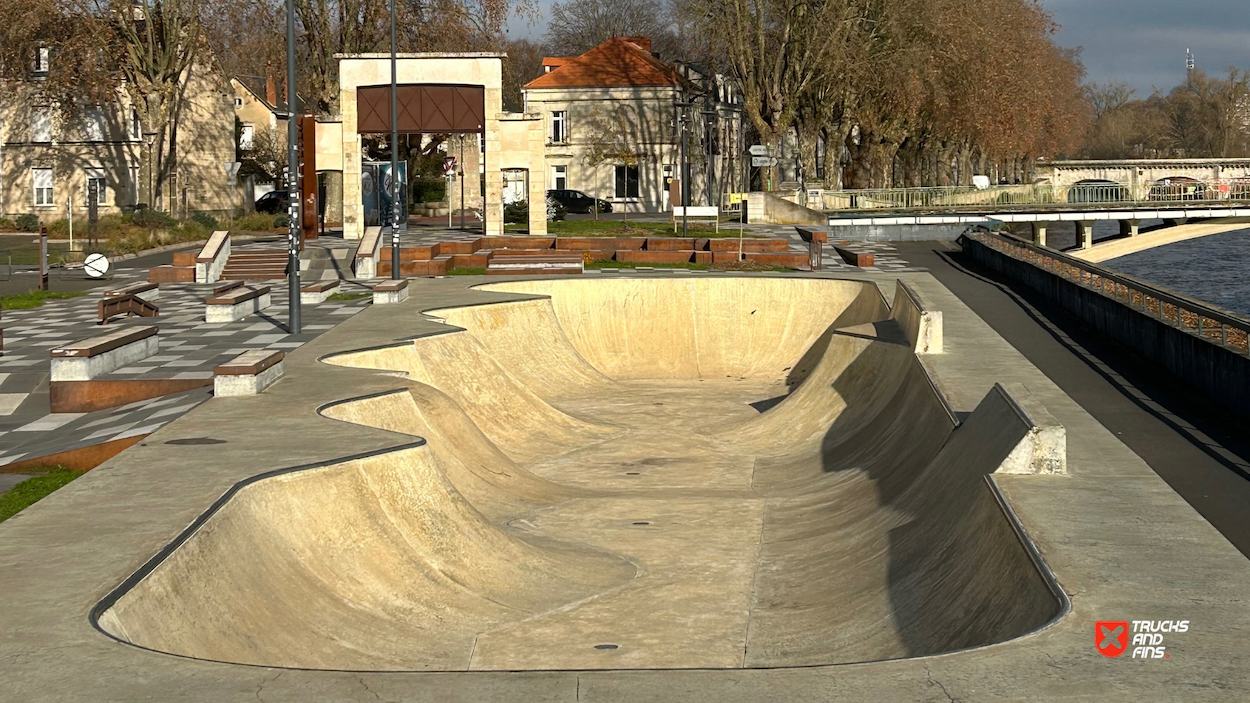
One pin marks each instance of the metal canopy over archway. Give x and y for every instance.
(423, 108)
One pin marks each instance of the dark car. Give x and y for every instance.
(577, 201)
(274, 202)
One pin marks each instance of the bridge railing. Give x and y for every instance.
(1220, 327)
(1033, 194)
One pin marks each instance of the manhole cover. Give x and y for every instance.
(196, 440)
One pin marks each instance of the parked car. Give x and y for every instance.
(274, 202)
(577, 201)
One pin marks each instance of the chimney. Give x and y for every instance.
(271, 91)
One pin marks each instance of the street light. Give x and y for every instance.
(394, 156)
(685, 167)
(294, 324)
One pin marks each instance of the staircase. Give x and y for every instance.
(255, 265)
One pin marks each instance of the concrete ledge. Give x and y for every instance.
(390, 292)
(101, 394)
(318, 292)
(1044, 448)
(96, 356)
(236, 304)
(148, 291)
(368, 252)
(248, 373)
(923, 327)
(211, 260)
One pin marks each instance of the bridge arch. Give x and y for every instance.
(1180, 188)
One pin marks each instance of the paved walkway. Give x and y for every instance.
(1196, 446)
(189, 349)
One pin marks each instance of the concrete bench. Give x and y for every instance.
(236, 304)
(854, 258)
(368, 253)
(390, 292)
(211, 260)
(699, 213)
(150, 292)
(318, 292)
(248, 373)
(96, 356)
(513, 265)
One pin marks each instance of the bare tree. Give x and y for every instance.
(576, 26)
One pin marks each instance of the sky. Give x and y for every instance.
(1139, 42)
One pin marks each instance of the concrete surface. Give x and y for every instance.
(1121, 543)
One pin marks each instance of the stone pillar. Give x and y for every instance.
(1130, 228)
(468, 173)
(1039, 233)
(353, 200)
(537, 178)
(1085, 233)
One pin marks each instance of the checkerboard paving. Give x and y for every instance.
(189, 348)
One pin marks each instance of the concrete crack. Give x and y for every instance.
(370, 690)
(579, 688)
(263, 684)
(935, 682)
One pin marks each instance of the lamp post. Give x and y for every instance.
(685, 167)
(294, 324)
(394, 155)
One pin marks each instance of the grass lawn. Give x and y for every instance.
(30, 491)
(467, 271)
(35, 298)
(349, 296)
(618, 228)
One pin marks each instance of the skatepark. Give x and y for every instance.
(700, 487)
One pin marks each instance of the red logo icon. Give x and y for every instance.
(1111, 637)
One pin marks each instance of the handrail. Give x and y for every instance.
(1221, 327)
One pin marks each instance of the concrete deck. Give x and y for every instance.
(1120, 542)
(1123, 246)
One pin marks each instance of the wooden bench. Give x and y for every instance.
(150, 292)
(236, 304)
(854, 258)
(318, 292)
(699, 213)
(102, 354)
(248, 373)
(390, 292)
(529, 264)
(814, 238)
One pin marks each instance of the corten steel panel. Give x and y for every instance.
(308, 176)
(422, 109)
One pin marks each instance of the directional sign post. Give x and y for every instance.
(763, 161)
(758, 150)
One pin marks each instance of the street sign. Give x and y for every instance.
(449, 165)
(232, 171)
(96, 265)
(758, 150)
(761, 161)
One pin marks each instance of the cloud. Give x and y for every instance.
(1143, 42)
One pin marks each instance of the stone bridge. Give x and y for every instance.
(1139, 175)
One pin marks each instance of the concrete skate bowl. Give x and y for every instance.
(723, 473)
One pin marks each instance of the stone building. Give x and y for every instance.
(47, 160)
(611, 118)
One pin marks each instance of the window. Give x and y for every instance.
(238, 102)
(559, 127)
(559, 177)
(626, 181)
(136, 130)
(95, 178)
(134, 184)
(94, 129)
(247, 133)
(41, 126)
(42, 56)
(42, 178)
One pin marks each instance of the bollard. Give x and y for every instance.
(43, 258)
